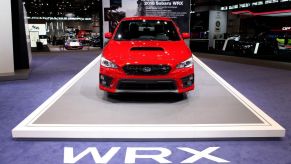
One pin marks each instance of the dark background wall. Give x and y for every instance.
(21, 58)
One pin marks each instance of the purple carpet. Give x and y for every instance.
(268, 88)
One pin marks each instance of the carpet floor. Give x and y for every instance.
(269, 88)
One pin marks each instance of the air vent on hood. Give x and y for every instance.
(147, 49)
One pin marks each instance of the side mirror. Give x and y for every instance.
(185, 35)
(108, 35)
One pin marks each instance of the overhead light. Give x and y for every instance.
(70, 15)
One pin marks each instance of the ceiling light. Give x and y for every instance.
(70, 15)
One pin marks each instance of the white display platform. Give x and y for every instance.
(214, 110)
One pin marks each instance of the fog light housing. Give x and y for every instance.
(105, 80)
(188, 81)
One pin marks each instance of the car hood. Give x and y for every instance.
(146, 52)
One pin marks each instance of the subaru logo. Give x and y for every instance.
(147, 69)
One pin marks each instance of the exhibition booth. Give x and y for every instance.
(227, 109)
(254, 29)
(214, 110)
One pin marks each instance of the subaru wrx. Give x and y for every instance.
(146, 54)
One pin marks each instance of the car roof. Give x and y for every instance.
(146, 18)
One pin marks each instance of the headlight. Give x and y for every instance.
(107, 63)
(186, 64)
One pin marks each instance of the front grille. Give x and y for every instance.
(147, 85)
(147, 69)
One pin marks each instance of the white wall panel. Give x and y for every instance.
(6, 43)
(106, 4)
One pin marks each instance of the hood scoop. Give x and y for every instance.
(147, 49)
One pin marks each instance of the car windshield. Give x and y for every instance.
(147, 30)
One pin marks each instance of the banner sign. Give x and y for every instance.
(34, 37)
(177, 10)
(40, 28)
(217, 25)
(115, 10)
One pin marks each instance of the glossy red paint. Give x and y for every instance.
(108, 35)
(185, 35)
(171, 53)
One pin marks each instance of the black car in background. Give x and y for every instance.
(95, 41)
(261, 44)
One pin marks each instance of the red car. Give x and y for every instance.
(146, 54)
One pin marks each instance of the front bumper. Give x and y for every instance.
(117, 81)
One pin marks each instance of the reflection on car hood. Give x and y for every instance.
(146, 52)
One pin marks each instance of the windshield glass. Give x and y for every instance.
(147, 30)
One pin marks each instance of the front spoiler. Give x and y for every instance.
(146, 91)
